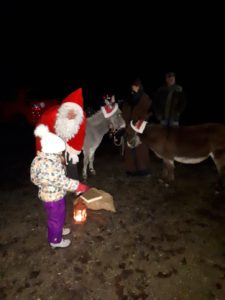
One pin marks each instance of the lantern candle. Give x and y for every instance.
(80, 212)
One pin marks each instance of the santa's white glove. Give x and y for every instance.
(72, 154)
(74, 158)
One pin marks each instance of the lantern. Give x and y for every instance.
(80, 212)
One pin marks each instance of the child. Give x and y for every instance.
(48, 173)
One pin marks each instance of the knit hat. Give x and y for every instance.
(137, 82)
(170, 74)
(50, 142)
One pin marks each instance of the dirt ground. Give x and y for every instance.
(161, 244)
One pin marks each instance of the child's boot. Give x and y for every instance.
(62, 244)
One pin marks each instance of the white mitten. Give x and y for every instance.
(72, 154)
(74, 158)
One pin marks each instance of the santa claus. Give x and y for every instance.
(68, 121)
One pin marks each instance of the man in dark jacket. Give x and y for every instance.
(136, 107)
(169, 102)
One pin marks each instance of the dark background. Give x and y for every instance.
(56, 48)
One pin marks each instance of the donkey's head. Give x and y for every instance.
(113, 115)
(116, 121)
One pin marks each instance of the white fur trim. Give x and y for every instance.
(108, 115)
(73, 154)
(41, 130)
(64, 127)
(72, 150)
(142, 127)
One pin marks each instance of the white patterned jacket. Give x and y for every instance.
(48, 173)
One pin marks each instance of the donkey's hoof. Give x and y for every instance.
(160, 180)
(165, 183)
(219, 188)
(93, 172)
(84, 177)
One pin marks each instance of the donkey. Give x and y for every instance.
(184, 144)
(107, 119)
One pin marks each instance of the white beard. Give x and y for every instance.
(65, 128)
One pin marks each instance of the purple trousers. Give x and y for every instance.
(56, 214)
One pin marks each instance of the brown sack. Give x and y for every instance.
(105, 201)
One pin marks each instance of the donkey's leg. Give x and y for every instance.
(219, 160)
(85, 165)
(91, 161)
(168, 170)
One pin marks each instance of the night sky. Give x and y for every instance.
(103, 48)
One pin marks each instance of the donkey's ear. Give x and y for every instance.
(107, 102)
(113, 99)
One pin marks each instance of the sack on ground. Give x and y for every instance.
(97, 199)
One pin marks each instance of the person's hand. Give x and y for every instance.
(82, 188)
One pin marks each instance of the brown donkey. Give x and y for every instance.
(184, 144)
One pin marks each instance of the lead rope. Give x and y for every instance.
(120, 143)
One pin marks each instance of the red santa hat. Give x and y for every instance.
(75, 97)
(139, 126)
(73, 101)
